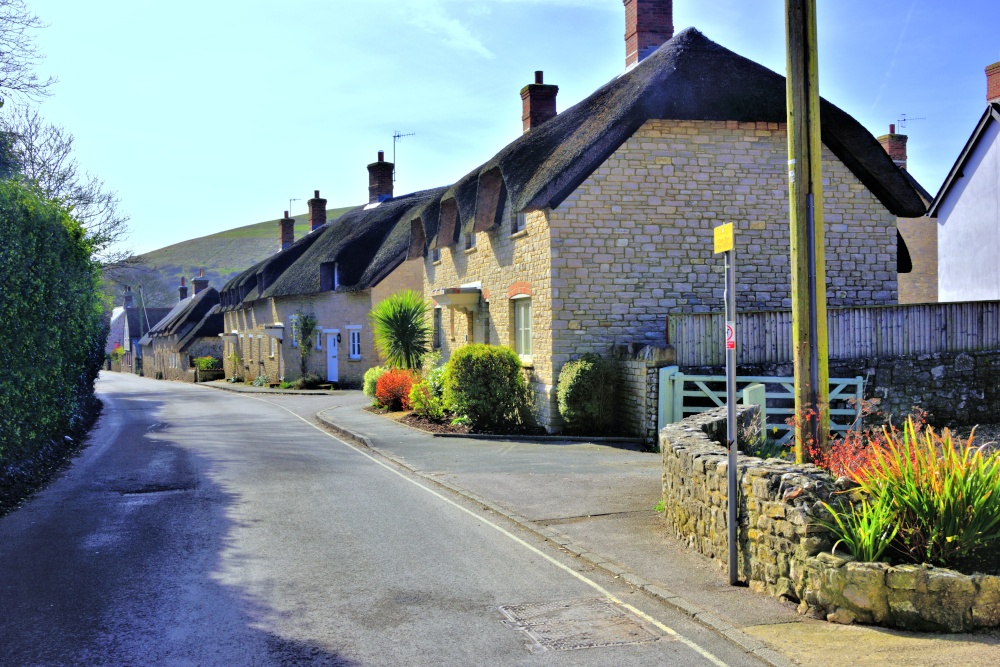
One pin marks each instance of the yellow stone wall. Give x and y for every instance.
(921, 284)
(499, 261)
(333, 310)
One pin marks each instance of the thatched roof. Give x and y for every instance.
(687, 78)
(191, 317)
(362, 246)
(137, 319)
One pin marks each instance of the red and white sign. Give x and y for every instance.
(730, 335)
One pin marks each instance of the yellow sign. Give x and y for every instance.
(724, 237)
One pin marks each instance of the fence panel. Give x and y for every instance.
(874, 331)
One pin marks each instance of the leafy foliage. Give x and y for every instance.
(50, 321)
(943, 496)
(425, 403)
(307, 381)
(207, 363)
(866, 529)
(371, 377)
(303, 329)
(401, 330)
(484, 383)
(393, 389)
(586, 394)
(261, 381)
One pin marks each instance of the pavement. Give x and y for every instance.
(596, 501)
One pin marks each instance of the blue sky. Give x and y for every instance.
(210, 115)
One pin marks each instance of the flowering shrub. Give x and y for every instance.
(393, 389)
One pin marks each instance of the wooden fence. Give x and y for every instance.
(869, 332)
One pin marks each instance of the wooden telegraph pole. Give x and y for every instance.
(805, 186)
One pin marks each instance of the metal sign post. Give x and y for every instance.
(725, 243)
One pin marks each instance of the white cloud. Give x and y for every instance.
(431, 16)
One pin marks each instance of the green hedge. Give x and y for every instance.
(50, 322)
(586, 393)
(485, 384)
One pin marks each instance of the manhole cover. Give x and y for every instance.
(576, 624)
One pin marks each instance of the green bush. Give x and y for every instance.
(484, 383)
(307, 381)
(425, 403)
(586, 393)
(50, 323)
(207, 363)
(371, 380)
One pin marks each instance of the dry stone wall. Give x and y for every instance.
(784, 552)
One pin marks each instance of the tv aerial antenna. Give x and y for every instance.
(396, 136)
(903, 120)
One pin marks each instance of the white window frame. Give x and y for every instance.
(272, 339)
(522, 334)
(518, 222)
(319, 339)
(353, 341)
(294, 321)
(435, 255)
(470, 240)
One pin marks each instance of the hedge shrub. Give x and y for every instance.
(393, 389)
(426, 403)
(586, 394)
(50, 323)
(371, 378)
(484, 383)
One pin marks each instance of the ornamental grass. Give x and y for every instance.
(927, 499)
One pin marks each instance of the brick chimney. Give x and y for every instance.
(286, 231)
(648, 24)
(317, 212)
(895, 145)
(538, 103)
(379, 180)
(127, 297)
(993, 83)
(182, 291)
(201, 282)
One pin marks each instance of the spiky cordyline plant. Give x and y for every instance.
(402, 334)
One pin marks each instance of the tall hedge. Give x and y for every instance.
(51, 346)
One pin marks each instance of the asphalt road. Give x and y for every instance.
(207, 528)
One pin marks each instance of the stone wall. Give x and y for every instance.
(784, 552)
(920, 285)
(955, 388)
(505, 264)
(779, 501)
(639, 388)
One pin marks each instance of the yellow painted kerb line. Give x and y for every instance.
(593, 584)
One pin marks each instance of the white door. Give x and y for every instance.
(331, 357)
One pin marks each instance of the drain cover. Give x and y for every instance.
(576, 624)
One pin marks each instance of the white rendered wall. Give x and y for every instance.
(969, 227)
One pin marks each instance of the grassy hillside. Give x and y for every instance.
(224, 254)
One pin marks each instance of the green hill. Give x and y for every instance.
(221, 255)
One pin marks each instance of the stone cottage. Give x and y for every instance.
(191, 329)
(968, 210)
(138, 320)
(594, 225)
(336, 273)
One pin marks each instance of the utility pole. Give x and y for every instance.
(805, 188)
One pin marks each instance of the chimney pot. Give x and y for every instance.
(379, 180)
(993, 83)
(538, 103)
(201, 282)
(648, 24)
(892, 128)
(317, 212)
(182, 291)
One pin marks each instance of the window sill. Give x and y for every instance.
(354, 358)
(469, 251)
(436, 263)
(519, 234)
(527, 361)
